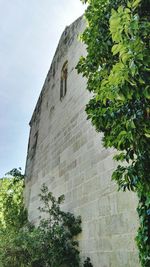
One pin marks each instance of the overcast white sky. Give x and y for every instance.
(29, 34)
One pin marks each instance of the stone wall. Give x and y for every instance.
(67, 154)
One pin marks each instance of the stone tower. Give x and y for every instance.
(67, 154)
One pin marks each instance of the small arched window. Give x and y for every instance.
(63, 80)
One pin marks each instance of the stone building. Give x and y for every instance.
(67, 154)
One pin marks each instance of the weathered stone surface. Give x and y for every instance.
(67, 154)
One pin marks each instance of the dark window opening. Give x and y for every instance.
(34, 145)
(63, 80)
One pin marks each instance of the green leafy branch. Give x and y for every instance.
(117, 38)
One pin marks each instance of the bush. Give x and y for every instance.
(50, 244)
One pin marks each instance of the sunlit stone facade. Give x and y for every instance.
(66, 153)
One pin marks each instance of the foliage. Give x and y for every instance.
(12, 212)
(13, 215)
(88, 263)
(118, 73)
(51, 243)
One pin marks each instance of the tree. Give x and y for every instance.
(13, 215)
(117, 71)
(12, 212)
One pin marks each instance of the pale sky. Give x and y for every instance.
(29, 34)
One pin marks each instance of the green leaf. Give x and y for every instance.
(136, 3)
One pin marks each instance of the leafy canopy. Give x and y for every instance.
(117, 68)
(12, 212)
